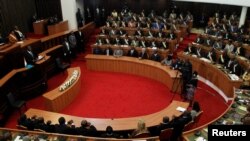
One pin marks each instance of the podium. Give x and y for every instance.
(39, 26)
(59, 27)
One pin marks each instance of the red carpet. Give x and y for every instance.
(113, 95)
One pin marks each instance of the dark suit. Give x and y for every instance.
(223, 59)
(30, 57)
(19, 35)
(155, 57)
(67, 53)
(143, 55)
(132, 53)
(235, 68)
(80, 41)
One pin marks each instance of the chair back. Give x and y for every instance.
(166, 134)
(142, 135)
(58, 62)
(11, 98)
(197, 117)
(188, 125)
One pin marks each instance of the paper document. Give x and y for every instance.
(181, 109)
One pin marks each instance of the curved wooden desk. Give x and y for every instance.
(213, 76)
(131, 65)
(119, 124)
(56, 100)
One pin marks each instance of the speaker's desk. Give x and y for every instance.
(56, 100)
(131, 65)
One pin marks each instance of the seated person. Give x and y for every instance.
(176, 64)
(125, 41)
(103, 32)
(163, 44)
(190, 49)
(110, 133)
(99, 41)
(18, 34)
(138, 32)
(164, 124)
(112, 32)
(83, 129)
(150, 34)
(239, 50)
(217, 44)
(23, 121)
(155, 56)
(229, 48)
(132, 52)
(118, 52)
(211, 55)
(198, 52)
(143, 44)
(49, 127)
(236, 68)
(143, 54)
(30, 56)
(199, 40)
(208, 42)
(116, 41)
(107, 41)
(195, 109)
(246, 74)
(62, 128)
(141, 128)
(223, 58)
(171, 35)
(134, 42)
(167, 60)
(108, 51)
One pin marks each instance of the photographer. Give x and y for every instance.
(186, 70)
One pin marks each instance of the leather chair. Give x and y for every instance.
(166, 134)
(62, 66)
(17, 104)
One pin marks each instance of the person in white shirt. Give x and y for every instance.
(229, 48)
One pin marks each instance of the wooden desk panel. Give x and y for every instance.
(213, 74)
(119, 124)
(39, 26)
(55, 100)
(131, 65)
(59, 27)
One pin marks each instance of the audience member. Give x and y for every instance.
(167, 60)
(195, 109)
(155, 56)
(30, 56)
(141, 128)
(110, 133)
(143, 54)
(132, 52)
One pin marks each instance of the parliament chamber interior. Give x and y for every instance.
(153, 70)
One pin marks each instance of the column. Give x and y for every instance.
(243, 16)
(69, 9)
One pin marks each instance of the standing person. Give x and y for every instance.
(79, 18)
(79, 41)
(72, 43)
(66, 50)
